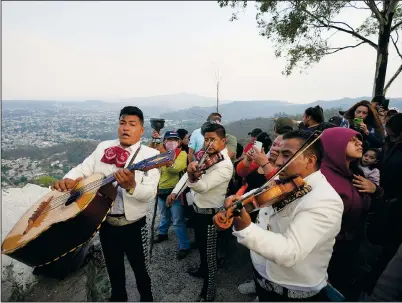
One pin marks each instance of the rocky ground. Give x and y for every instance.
(90, 282)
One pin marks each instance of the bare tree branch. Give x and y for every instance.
(374, 9)
(351, 32)
(396, 26)
(337, 49)
(354, 6)
(398, 71)
(396, 46)
(337, 22)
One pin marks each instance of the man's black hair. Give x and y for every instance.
(208, 127)
(283, 129)
(316, 113)
(132, 111)
(182, 133)
(316, 149)
(211, 115)
(239, 150)
(395, 124)
(265, 139)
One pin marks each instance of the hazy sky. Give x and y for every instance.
(111, 50)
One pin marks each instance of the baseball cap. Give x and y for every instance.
(171, 134)
(255, 132)
(336, 120)
(283, 125)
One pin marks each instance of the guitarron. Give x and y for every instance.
(61, 222)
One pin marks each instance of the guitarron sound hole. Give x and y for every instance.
(73, 198)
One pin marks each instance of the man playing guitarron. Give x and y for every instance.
(292, 242)
(124, 231)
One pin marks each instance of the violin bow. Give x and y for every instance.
(310, 141)
(202, 160)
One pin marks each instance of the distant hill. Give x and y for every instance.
(241, 128)
(250, 109)
(184, 106)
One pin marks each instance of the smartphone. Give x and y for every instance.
(258, 145)
(357, 121)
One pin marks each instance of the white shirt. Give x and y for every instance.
(134, 206)
(296, 252)
(210, 190)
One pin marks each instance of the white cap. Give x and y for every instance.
(394, 108)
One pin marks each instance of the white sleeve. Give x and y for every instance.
(146, 186)
(180, 184)
(308, 228)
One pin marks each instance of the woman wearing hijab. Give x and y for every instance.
(342, 149)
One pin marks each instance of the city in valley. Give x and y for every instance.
(43, 141)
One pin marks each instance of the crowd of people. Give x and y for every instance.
(308, 246)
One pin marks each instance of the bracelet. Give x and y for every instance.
(264, 165)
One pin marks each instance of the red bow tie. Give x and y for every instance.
(115, 155)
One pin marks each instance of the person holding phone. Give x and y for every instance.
(363, 118)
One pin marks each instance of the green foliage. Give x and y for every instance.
(301, 29)
(75, 151)
(44, 181)
(5, 168)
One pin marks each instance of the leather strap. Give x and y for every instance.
(135, 156)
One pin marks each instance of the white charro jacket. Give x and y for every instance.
(210, 190)
(296, 251)
(134, 206)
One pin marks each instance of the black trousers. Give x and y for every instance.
(132, 240)
(206, 240)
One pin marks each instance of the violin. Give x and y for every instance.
(272, 192)
(276, 192)
(209, 161)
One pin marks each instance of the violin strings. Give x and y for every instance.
(301, 150)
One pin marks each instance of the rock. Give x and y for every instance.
(71, 289)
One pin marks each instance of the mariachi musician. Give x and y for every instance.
(209, 195)
(124, 230)
(291, 242)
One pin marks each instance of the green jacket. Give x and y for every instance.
(171, 175)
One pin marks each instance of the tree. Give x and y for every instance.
(302, 29)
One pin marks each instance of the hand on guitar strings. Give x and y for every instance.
(125, 178)
(65, 184)
(241, 221)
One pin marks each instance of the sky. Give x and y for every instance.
(113, 50)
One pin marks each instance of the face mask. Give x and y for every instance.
(171, 145)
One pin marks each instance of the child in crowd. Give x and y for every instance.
(367, 165)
